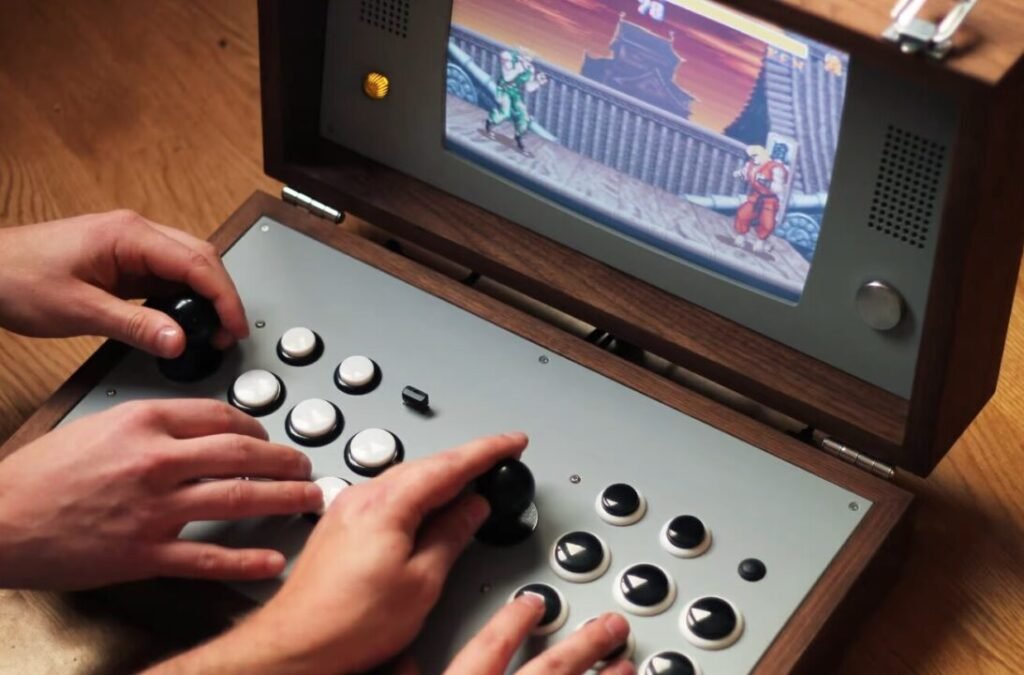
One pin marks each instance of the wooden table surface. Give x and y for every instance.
(155, 106)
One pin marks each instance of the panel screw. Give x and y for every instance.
(543, 359)
(854, 506)
(575, 479)
(485, 588)
(261, 324)
(264, 228)
(111, 392)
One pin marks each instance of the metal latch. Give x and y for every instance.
(848, 454)
(916, 35)
(318, 209)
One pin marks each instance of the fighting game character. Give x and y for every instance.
(766, 176)
(518, 78)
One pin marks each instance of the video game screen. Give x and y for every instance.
(681, 123)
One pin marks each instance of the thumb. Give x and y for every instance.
(141, 327)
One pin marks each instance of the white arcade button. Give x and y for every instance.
(331, 487)
(256, 389)
(356, 371)
(314, 418)
(298, 342)
(373, 448)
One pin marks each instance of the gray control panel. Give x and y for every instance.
(587, 432)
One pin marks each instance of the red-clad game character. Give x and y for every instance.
(767, 177)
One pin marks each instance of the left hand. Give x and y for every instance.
(74, 276)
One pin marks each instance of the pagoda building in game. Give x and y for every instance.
(642, 65)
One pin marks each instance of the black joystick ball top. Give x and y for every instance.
(198, 318)
(509, 488)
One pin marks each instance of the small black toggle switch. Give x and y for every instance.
(416, 399)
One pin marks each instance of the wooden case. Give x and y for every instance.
(822, 622)
(977, 258)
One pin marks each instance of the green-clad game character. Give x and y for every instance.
(518, 78)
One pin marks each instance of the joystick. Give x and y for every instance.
(198, 318)
(509, 488)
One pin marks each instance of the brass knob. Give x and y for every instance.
(376, 85)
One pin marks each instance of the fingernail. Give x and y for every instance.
(167, 341)
(616, 626)
(313, 495)
(516, 436)
(274, 560)
(534, 601)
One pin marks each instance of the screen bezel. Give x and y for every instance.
(406, 131)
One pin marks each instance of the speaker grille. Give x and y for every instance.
(908, 187)
(390, 16)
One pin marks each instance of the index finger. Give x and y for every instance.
(490, 651)
(205, 249)
(171, 260)
(197, 417)
(426, 484)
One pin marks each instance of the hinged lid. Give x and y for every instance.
(973, 249)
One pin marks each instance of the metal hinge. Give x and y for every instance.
(915, 35)
(318, 209)
(859, 459)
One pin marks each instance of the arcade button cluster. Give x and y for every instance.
(642, 588)
(313, 422)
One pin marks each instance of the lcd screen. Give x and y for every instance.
(683, 124)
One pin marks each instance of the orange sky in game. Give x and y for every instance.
(721, 64)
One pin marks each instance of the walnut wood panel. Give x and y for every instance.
(173, 131)
(797, 646)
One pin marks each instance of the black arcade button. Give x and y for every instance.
(621, 504)
(580, 553)
(668, 663)
(711, 623)
(645, 589)
(555, 609)
(685, 537)
(620, 500)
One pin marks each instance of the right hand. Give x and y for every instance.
(103, 499)
(397, 535)
(490, 652)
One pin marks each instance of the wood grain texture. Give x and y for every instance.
(97, 96)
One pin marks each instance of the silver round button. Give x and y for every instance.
(356, 371)
(331, 486)
(314, 418)
(256, 388)
(298, 342)
(373, 448)
(880, 305)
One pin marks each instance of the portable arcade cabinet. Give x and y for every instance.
(802, 203)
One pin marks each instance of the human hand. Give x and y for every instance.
(490, 652)
(103, 499)
(74, 276)
(372, 569)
